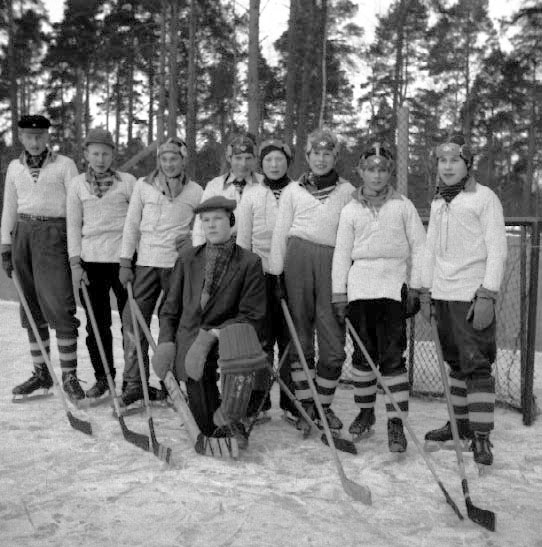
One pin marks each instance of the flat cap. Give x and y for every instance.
(216, 202)
(99, 136)
(36, 122)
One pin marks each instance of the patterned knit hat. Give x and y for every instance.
(322, 139)
(175, 145)
(275, 144)
(456, 146)
(376, 155)
(241, 144)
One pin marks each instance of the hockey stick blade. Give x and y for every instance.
(344, 445)
(137, 439)
(160, 451)
(80, 425)
(482, 517)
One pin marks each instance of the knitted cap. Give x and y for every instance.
(175, 145)
(322, 139)
(241, 144)
(377, 154)
(34, 123)
(275, 144)
(99, 136)
(456, 146)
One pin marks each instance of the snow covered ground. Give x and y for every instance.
(59, 487)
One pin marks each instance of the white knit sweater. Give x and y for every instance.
(95, 224)
(373, 247)
(466, 244)
(222, 186)
(256, 216)
(154, 222)
(302, 215)
(45, 197)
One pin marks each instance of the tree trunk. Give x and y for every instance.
(117, 109)
(78, 108)
(531, 150)
(150, 79)
(173, 88)
(160, 122)
(324, 64)
(107, 96)
(291, 73)
(191, 106)
(87, 99)
(13, 91)
(130, 86)
(253, 56)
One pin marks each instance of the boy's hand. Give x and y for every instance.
(7, 262)
(126, 272)
(412, 302)
(280, 289)
(482, 309)
(163, 358)
(79, 275)
(339, 303)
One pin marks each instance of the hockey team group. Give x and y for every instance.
(250, 262)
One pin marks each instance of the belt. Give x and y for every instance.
(38, 218)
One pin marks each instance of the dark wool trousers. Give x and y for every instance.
(470, 354)
(149, 282)
(307, 276)
(103, 277)
(381, 325)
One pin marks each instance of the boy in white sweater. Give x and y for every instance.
(302, 249)
(462, 272)
(34, 244)
(96, 210)
(379, 231)
(241, 157)
(256, 216)
(160, 215)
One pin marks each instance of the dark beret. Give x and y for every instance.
(34, 122)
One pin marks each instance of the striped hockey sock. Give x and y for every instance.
(302, 389)
(327, 379)
(399, 387)
(37, 357)
(67, 353)
(458, 391)
(364, 388)
(481, 403)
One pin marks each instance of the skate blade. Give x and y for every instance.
(363, 436)
(36, 396)
(135, 408)
(483, 470)
(98, 401)
(435, 446)
(217, 447)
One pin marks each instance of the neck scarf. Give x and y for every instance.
(448, 193)
(217, 259)
(170, 187)
(377, 199)
(100, 183)
(35, 163)
(277, 185)
(322, 181)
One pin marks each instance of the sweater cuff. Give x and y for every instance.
(337, 298)
(75, 260)
(482, 292)
(5, 248)
(125, 263)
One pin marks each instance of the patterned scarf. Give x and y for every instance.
(35, 163)
(277, 185)
(320, 186)
(448, 193)
(170, 187)
(100, 183)
(239, 185)
(375, 200)
(217, 259)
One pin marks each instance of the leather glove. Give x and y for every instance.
(126, 272)
(280, 288)
(7, 262)
(339, 303)
(183, 242)
(412, 302)
(163, 358)
(197, 354)
(79, 275)
(426, 304)
(482, 309)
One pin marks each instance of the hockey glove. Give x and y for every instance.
(183, 242)
(339, 303)
(426, 304)
(412, 302)
(482, 309)
(197, 354)
(7, 262)
(163, 358)
(126, 272)
(79, 275)
(280, 289)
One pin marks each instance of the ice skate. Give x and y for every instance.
(221, 444)
(334, 423)
(98, 389)
(481, 448)
(72, 387)
(362, 426)
(397, 442)
(302, 424)
(436, 439)
(35, 388)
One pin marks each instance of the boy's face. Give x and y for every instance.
(451, 169)
(242, 165)
(274, 165)
(216, 225)
(99, 156)
(375, 177)
(321, 161)
(172, 164)
(34, 141)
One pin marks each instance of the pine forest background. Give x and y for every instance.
(147, 69)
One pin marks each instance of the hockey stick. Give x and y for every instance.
(81, 425)
(403, 416)
(353, 489)
(217, 445)
(159, 450)
(483, 517)
(137, 439)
